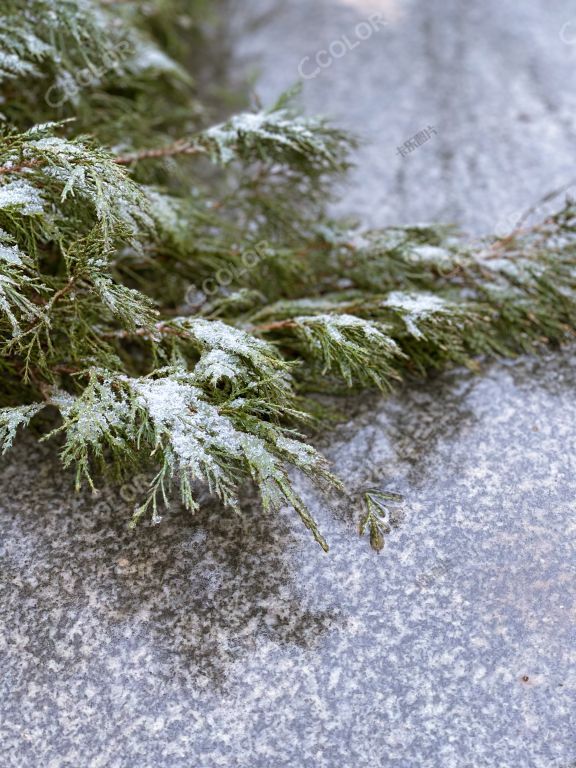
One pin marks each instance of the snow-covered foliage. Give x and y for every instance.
(276, 135)
(355, 349)
(191, 439)
(231, 356)
(71, 170)
(172, 286)
(21, 196)
(416, 307)
(13, 418)
(18, 285)
(58, 41)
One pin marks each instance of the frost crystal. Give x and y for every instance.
(232, 354)
(11, 254)
(277, 131)
(12, 418)
(431, 254)
(217, 365)
(194, 429)
(20, 194)
(356, 348)
(415, 307)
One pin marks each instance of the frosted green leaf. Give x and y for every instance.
(13, 418)
(415, 307)
(355, 349)
(279, 136)
(22, 195)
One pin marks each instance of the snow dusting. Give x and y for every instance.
(13, 418)
(19, 193)
(414, 307)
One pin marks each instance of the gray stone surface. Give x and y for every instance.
(209, 641)
(494, 77)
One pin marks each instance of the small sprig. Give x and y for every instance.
(376, 517)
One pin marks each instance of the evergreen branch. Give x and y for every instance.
(103, 233)
(19, 167)
(13, 418)
(168, 419)
(178, 148)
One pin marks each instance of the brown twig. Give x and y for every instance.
(63, 291)
(162, 328)
(179, 148)
(275, 325)
(5, 169)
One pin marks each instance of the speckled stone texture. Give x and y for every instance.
(213, 641)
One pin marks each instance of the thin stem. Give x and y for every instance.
(179, 148)
(275, 325)
(5, 169)
(146, 333)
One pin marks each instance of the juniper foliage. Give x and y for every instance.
(128, 303)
